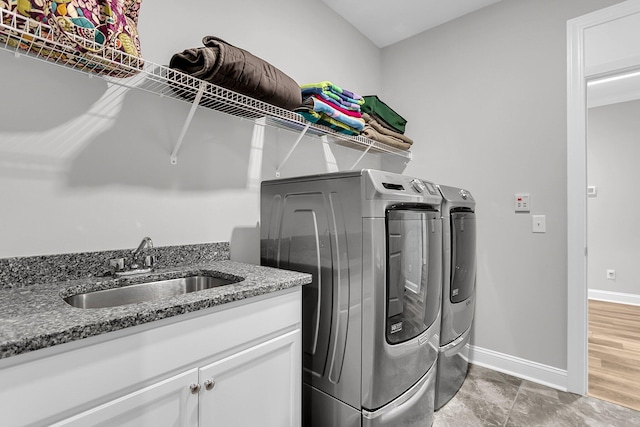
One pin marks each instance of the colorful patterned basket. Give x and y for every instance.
(100, 36)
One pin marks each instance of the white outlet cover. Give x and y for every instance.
(539, 223)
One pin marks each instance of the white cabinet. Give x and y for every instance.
(158, 374)
(256, 387)
(168, 403)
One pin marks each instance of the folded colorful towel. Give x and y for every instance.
(334, 88)
(382, 112)
(333, 91)
(332, 97)
(312, 103)
(337, 96)
(369, 120)
(337, 106)
(323, 119)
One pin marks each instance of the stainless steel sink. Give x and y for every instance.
(144, 292)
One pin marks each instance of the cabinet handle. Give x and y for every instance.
(195, 388)
(209, 384)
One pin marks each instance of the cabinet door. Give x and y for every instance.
(259, 386)
(166, 403)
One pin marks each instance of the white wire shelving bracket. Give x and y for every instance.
(21, 35)
(329, 158)
(293, 148)
(185, 127)
(360, 158)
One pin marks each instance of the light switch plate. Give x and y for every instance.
(539, 223)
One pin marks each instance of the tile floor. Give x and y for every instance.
(490, 398)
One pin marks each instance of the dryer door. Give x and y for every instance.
(463, 255)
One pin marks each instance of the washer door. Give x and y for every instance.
(413, 288)
(402, 293)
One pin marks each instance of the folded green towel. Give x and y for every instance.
(374, 106)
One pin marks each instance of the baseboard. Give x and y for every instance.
(517, 367)
(619, 297)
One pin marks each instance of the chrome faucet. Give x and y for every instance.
(120, 269)
(148, 260)
(146, 242)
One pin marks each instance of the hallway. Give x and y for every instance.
(614, 353)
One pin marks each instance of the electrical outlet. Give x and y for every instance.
(611, 274)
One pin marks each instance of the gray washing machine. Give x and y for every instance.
(372, 241)
(459, 290)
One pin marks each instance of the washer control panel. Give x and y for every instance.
(389, 186)
(431, 189)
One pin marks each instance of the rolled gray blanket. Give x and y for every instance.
(225, 65)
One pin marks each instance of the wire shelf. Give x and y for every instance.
(22, 35)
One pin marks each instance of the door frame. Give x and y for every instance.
(577, 76)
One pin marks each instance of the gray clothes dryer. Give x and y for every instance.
(459, 290)
(372, 241)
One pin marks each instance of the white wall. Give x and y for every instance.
(85, 166)
(486, 103)
(613, 150)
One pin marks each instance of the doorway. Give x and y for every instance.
(599, 44)
(613, 135)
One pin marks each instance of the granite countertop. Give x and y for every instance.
(36, 316)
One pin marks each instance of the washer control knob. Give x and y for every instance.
(464, 194)
(418, 185)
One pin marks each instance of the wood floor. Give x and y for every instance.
(614, 353)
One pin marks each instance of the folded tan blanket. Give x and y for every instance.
(373, 134)
(225, 65)
(384, 130)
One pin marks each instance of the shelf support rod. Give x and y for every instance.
(185, 127)
(329, 158)
(361, 156)
(295, 145)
